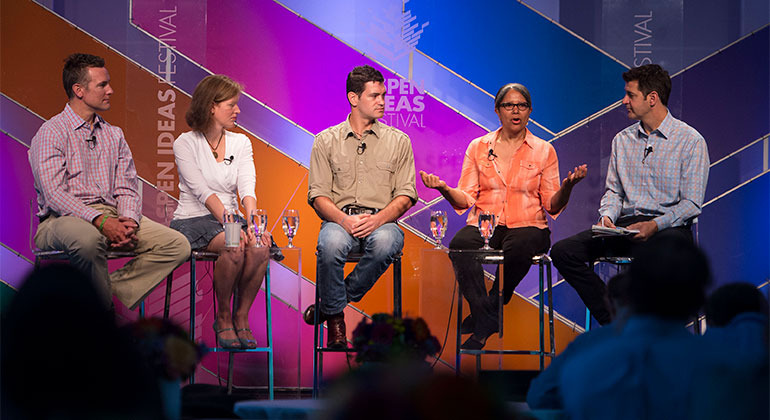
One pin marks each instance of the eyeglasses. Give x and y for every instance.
(508, 106)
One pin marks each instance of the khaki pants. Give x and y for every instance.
(160, 250)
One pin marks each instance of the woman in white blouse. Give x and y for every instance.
(213, 165)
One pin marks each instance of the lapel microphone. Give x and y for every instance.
(91, 141)
(361, 148)
(491, 155)
(229, 160)
(647, 151)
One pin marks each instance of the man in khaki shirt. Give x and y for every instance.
(362, 180)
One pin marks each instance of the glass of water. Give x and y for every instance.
(486, 227)
(290, 223)
(258, 221)
(232, 228)
(438, 221)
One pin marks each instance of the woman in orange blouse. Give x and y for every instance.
(514, 174)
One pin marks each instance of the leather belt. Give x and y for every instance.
(353, 210)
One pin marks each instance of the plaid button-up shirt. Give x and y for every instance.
(72, 172)
(662, 174)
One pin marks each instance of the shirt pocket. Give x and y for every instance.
(487, 175)
(384, 173)
(529, 175)
(343, 175)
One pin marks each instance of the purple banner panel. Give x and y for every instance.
(284, 61)
(17, 121)
(19, 201)
(166, 64)
(13, 269)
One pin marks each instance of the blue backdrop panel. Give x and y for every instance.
(734, 233)
(505, 41)
(726, 96)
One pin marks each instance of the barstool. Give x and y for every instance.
(623, 263)
(318, 348)
(495, 256)
(41, 256)
(212, 256)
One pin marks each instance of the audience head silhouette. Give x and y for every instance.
(669, 277)
(731, 300)
(63, 356)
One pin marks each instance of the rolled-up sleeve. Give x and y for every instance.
(404, 177)
(549, 181)
(469, 178)
(320, 177)
(189, 172)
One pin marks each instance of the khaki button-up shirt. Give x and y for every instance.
(347, 172)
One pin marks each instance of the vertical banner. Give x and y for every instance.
(643, 32)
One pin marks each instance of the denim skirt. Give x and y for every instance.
(201, 230)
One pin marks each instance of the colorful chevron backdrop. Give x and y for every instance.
(443, 61)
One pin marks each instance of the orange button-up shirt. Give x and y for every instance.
(518, 200)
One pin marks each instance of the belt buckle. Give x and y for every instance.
(354, 210)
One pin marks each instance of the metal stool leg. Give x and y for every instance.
(141, 310)
(397, 287)
(459, 325)
(230, 363)
(192, 306)
(167, 304)
(316, 343)
(269, 318)
(541, 313)
(550, 308)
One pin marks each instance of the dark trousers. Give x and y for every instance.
(573, 257)
(519, 246)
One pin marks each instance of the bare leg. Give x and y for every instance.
(227, 271)
(254, 267)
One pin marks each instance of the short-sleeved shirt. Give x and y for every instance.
(370, 172)
(518, 200)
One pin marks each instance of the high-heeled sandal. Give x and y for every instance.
(227, 343)
(246, 343)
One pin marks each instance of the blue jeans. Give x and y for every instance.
(334, 245)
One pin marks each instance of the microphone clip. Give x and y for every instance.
(647, 151)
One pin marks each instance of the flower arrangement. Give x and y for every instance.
(166, 347)
(389, 339)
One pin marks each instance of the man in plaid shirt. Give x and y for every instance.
(88, 191)
(655, 184)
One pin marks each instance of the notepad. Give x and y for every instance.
(599, 230)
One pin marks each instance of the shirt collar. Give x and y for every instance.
(663, 130)
(347, 129)
(488, 139)
(76, 122)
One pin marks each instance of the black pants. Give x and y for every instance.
(519, 246)
(573, 257)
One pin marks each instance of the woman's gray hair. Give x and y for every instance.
(518, 87)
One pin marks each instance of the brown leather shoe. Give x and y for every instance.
(309, 315)
(337, 338)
